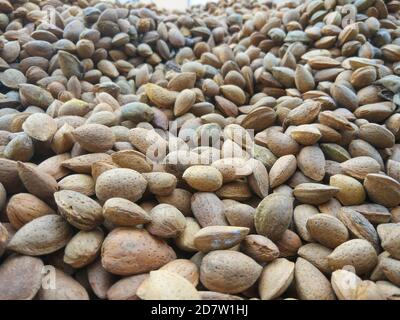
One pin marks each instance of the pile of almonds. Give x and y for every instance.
(240, 150)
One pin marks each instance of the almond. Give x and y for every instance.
(22, 276)
(389, 235)
(79, 210)
(377, 135)
(358, 253)
(128, 251)
(179, 198)
(53, 166)
(166, 221)
(137, 112)
(83, 163)
(122, 212)
(314, 193)
(160, 183)
(259, 248)
(180, 81)
(288, 244)
(126, 288)
(359, 226)
(184, 101)
(20, 148)
(185, 240)
(351, 192)
(83, 248)
(345, 284)
(303, 114)
(166, 285)
(391, 269)
(382, 189)
(258, 180)
(236, 271)
(81, 183)
(237, 190)
(4, 238)
(9, 176)
(301, 214)
(282, 170)
(233, 93)
(368, 290)
(327, 230)
(359, 167)
(159, 96)
(219, 237)
(65, 288)
(36, 181)
(148, 142)
(306, 134)
(316, 254)
(273, 216)
(203, 178)
(185, 268)
(208, 209)
(311, 162)
(132, 159)
(99, 279)
(25, 207)
(240, 214)
(311, 284)
(275, 278)
(122, 183)
(40, 126)
(303, 79)
(41, 236)
(94, 137)
(99, 167)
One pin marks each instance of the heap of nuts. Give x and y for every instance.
(238, 150)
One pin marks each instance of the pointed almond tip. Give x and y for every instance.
(20, 164)
(11, 245)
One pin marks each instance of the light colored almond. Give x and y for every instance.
(219, 237)
(41, 236)
(166, 285)
(275, 278)
(81, 211)
(40, 126)
(83, 248)
(203, 178)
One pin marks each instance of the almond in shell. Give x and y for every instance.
(162, 284)
(276, 278)
(25, 207)
(94, 137)
(65, 288)
(122, 183)
(259, 248)
(273, 215)
(81, 211)
(311, 284)
(128, 251)
(219, 237)
(166, 221)
(83, 248)
(22, 276)
(327, 230)
(122, 212)
(236, 271)
(314, 193)
(41, 236)
(358, 253)
(40, 126)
